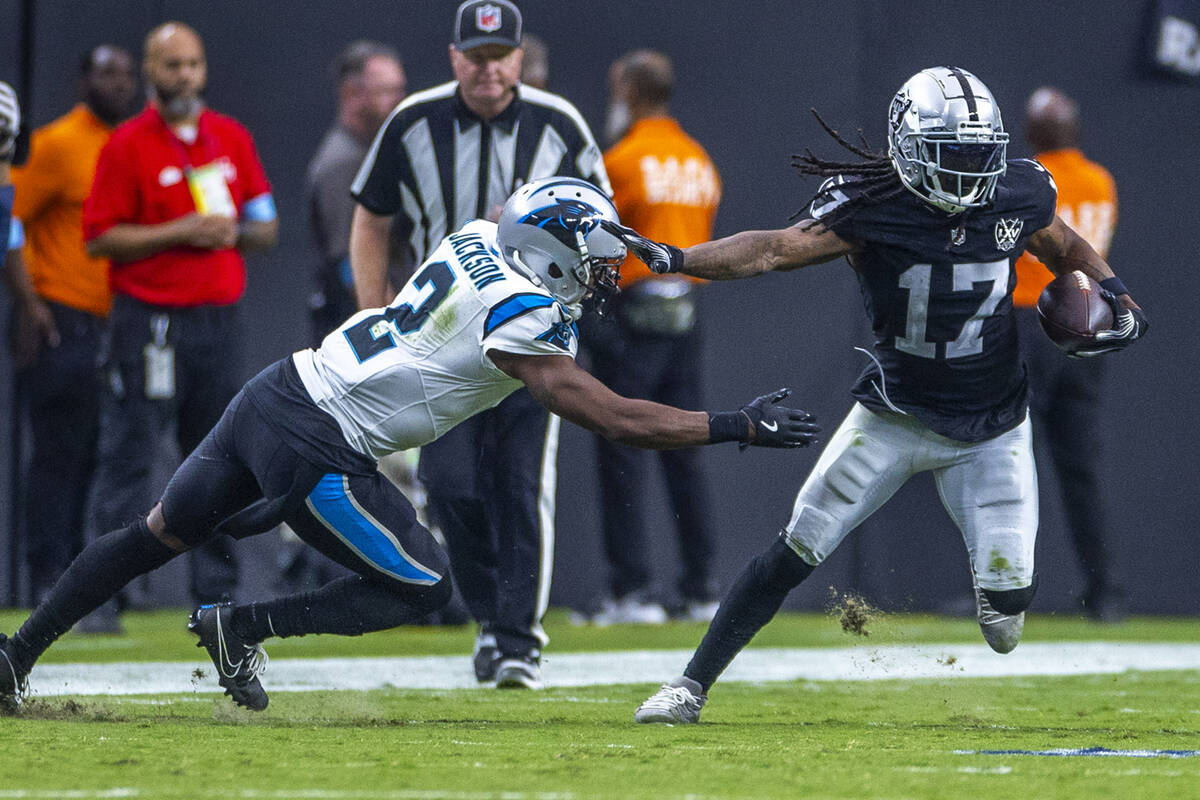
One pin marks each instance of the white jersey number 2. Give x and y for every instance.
(970, 339)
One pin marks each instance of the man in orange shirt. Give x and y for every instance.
(1066, 393)
(60, 312)
(649, 343)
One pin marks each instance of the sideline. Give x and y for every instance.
(863, 663)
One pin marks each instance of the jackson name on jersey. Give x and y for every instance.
(401, 376)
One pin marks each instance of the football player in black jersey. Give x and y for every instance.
(932, 230)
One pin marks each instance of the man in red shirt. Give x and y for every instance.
(178, 195)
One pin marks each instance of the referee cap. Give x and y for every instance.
(481, 22)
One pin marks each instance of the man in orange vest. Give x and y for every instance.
(649, 343)
(1067, 392)
(60, 312)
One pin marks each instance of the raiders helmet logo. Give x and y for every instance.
(1007, 233)
(487, 18)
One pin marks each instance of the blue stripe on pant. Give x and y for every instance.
(335, 507)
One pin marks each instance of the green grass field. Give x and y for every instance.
(832, 739)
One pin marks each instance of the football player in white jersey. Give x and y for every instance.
(493, 307)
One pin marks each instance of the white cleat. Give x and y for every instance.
(678, 702)
(1002, 632)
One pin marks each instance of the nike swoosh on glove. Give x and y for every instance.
(779, 426)
(1129, 325)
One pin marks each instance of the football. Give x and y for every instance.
(1072, 311)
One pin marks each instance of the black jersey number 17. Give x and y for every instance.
(423, 294)
(916, 280)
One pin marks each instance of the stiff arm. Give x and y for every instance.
(751, 253)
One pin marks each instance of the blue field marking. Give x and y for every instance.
(1093, 752)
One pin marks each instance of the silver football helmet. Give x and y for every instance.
(946, 139)
(550, 232)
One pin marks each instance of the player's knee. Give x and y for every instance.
(1012, 601)
(434, 596)
(780, 568)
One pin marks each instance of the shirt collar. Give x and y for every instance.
(505, 120)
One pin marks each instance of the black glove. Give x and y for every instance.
(774, 425)
(660, 258)
(1129, 325)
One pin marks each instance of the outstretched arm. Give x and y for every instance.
(751, 253)
(559, 384)
(742, 255)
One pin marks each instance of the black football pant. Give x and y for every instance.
(207, 374)
(490, 484)
(1067, 408)
(61, 397)
(665, 369)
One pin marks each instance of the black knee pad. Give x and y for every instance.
(779, 568)
(1014, 601)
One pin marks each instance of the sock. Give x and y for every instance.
(96, 574)
(753, 600)
(349, 606)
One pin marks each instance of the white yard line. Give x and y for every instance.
(644, 666)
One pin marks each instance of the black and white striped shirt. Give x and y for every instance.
(435, 165)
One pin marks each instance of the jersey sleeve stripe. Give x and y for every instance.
(512, 307)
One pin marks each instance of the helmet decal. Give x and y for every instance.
(564, 219)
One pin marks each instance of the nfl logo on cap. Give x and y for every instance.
(487, 18)
(481, 22)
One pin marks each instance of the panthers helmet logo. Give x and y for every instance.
(564, 219)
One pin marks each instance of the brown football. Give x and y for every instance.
(1072, 311)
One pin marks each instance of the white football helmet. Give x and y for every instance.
(550, 232)
(946, 139)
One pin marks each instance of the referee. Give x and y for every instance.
(445, 156)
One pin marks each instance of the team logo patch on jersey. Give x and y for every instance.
(559, 335)
(1007, 233)
(487, 18)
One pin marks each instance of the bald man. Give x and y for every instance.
(1067, 394)
(179, 194)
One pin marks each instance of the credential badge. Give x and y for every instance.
(487, 18)
(1007, 233)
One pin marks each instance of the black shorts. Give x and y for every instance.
(245, 478)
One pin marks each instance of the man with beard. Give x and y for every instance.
(60, 302)
(179, 194)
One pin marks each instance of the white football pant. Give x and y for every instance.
(989, 489)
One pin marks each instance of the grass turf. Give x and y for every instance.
(881, 739)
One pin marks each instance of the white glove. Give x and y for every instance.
(10, 120)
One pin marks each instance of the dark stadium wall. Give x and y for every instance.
(746, 82)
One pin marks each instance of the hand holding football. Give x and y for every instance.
(1072, 311)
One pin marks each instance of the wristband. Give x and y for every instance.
(1114, 285)
(728, 426)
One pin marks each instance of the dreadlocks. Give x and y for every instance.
(876, 182)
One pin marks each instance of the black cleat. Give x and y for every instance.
(486, 657)
(238, 663)
(13, 684)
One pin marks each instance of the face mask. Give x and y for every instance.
(617, 122)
